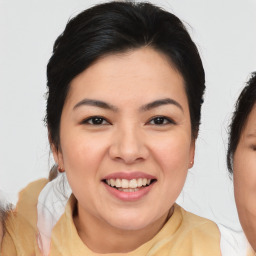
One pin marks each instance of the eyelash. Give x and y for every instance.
(99, 120)
(165, 120)
(90, 121)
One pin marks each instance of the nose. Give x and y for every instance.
(128, 145)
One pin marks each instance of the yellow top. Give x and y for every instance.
(250, 251)
(185, 234)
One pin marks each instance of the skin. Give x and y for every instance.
(128, 140)
(245, 178)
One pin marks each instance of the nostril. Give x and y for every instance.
(128, 149)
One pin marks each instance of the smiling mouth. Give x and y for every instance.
(132, 185)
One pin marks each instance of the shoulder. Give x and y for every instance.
(195, 223)
(188, 234)
(29, 195)
(26, 208)
(201, 232)
(21, 223)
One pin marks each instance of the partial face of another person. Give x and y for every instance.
(244, 166)
(125, 139)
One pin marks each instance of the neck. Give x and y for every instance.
(100, 237)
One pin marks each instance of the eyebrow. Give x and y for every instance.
(95, 103)
(146, 107)
(160, 102)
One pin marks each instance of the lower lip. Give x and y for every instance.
(129, 196)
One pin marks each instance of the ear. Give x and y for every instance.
(56, 151)
(192, 153)
(57, 155)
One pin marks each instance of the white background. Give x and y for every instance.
(225, 33)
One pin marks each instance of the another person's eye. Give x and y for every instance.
(96, 120)
(160, 120)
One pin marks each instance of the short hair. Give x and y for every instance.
(243, 108)
(117, 27)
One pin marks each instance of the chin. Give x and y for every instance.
(130, 226)
(131, 222)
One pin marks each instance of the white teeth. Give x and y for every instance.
(133, 183)
(112, 182)
(139, 182)
(118, 183)
(125, 183)
(128, 184)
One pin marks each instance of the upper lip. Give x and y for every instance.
(128, 175)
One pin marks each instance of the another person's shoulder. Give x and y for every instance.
(27, 201)
(21, 222)
(31, 192)
(25, 211)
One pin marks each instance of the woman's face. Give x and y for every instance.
(245, 178)
(125, 138)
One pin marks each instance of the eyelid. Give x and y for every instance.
(86, 120)
(170, 120)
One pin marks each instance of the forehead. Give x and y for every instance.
(143, 72)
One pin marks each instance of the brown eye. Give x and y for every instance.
(96, 120)
(161, 120)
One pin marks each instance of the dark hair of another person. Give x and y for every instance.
(118, 27)
(243, 108)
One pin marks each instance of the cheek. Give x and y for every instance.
(245, 172)
(82, 154)
(82, 157)
(245, 182)
(173, 153)
(172, 157)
